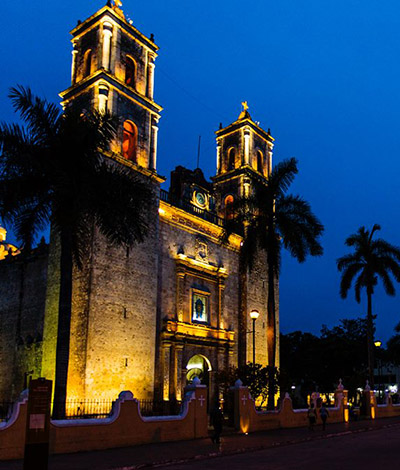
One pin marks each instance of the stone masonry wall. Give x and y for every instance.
(22, 305)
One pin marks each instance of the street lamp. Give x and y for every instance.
(254, 314)
(378, 344)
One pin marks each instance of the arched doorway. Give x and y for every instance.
(199, 366)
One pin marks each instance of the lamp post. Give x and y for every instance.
(254, 314)
(378, 344)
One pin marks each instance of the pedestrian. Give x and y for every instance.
(324, 413)
(312, 417)
(217, 420)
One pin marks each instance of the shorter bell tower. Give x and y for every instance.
(244, 156)
(113, 69)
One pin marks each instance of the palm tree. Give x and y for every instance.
(273, 219)
(53, 171)
(371, 259)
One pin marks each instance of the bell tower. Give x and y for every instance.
(113, 69)
(244, 157)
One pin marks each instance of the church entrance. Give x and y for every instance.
(199, 366)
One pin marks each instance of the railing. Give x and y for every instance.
(191, 208)
(96, 409)
(88, 409)
(159, 408)
(6, 409)
(101, 408)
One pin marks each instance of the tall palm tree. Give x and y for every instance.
(53, 171)
(371, 259)
(273, 219)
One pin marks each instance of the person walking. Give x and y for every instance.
(312, 417)
(217, 420)
(324, 413)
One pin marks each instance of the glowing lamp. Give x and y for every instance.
(378, 344)
(254, 314)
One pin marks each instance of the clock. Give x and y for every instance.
(200, 199)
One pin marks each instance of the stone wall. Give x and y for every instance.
(22, 306)
(125, 427)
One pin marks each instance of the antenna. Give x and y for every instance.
(198, 152)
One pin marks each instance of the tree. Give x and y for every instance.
(255, 376)
(314, 363)
(272, 219)
(393, 347)
(53, 171)
(371, 259)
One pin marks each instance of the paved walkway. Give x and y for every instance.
(185, 451)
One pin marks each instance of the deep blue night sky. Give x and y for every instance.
(324, 76)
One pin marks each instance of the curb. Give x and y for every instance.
(243, 450)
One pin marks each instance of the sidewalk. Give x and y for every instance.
(176, 452)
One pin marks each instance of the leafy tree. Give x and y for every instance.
(53, 171)
(316, 363)
(255, 376)
(273, 219)
(393, 347)
(371, 259)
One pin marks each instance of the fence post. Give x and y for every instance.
(196, 394)
(341, 397)
(370, 401)
(242, 404)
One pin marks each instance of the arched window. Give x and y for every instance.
(87, 63)
(129, 141)
(228, 204)
(130, 72)
(231, 159)
(260, 161)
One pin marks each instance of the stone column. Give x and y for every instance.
(219, 163)
(166, 360)
(178, 373)
(180, 292)
(150, 78)
(246, 147)
(221, 300)
(154, 139)
(103, 98)
(73, 67)
(107, 35)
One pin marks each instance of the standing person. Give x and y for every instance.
(324, 413)
(217, 420)
(312, 417)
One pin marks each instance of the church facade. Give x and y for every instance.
(151, 318)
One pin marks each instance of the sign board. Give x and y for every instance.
(38, 425)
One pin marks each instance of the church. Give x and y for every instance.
(151, 318)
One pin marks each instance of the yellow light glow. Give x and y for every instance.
(372, 412)
(378, 344)
(254, 314)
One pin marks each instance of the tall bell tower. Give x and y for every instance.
(114, 297)
(244, 157)
(244, 160)
(113, 69)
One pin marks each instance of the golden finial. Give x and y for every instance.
(117, 4)
(245, 105)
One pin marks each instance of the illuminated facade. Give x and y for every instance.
(151, 318)
(6, 249)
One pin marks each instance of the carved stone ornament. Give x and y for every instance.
(201, 249)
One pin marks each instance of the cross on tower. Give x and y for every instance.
(244, 400)
(118, 3)
(245, 105)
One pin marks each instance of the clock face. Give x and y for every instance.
(201, 199)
